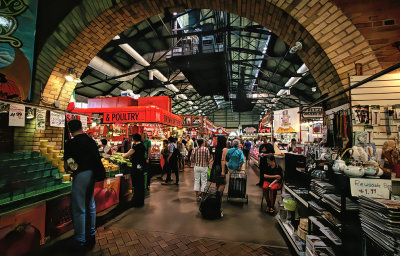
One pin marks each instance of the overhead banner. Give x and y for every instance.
(41, 119)
(16, 115)
(57, 119)
(287, 120)
(17, 39)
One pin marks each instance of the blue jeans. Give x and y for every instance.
(83, 206)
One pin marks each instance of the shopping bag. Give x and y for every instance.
(209, 173)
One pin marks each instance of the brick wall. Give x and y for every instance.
(379, 23)
(331, 41)
(28, 139)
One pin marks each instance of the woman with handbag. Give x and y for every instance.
(137, 157)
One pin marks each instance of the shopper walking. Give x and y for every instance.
(173, 154)
(137, 156)
(219, 168)
(273, 182)
(164, 154)
(235, 157)
(265, 149)
(83, 160)
(190, 146)
(246, 150)
(147, 155)
(201, 160)
(182, 155)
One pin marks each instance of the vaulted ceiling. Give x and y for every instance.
(186, 52)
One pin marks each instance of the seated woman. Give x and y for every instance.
(273, 180)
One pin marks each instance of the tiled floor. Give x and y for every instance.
(170, 224)
(115, 241)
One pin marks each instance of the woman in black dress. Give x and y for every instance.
(136, 155)
(219, 165)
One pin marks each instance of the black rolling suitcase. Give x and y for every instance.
(237, 186)
(210, 204)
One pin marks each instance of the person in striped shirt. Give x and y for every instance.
(201, 158)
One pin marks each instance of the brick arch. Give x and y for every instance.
(331, 42)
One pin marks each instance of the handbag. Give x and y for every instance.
(209, 174)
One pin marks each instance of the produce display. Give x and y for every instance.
(122, 164)
(25, 175)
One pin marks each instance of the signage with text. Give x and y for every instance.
(123, 117)
(375, 188)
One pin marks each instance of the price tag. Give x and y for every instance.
(375, 188)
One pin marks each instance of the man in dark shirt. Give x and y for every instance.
(265, 149)
(83, 159)
(246, 150)
(137, 156)
(273, 180)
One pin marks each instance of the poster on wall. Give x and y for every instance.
(17, 38)
(287, 120)
(41, 119)
(16, 115)
(57, 119)
(23, 230)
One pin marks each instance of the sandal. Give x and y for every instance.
(271, 211)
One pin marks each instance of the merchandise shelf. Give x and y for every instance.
(299, 198)
(298, 250)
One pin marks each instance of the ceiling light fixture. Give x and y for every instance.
(30, 113)
(72, 76)
(4, 108)
(313, 89)
(183, 96)
(298, 46)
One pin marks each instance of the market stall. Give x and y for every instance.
(341, 194)
(117, 123)
(198, 126)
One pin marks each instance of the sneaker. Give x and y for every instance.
(222, 213)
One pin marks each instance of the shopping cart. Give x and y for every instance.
(237, 186)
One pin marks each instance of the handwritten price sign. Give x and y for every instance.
(375, 188)
(16, 115)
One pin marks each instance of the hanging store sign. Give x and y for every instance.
(57, 119)
(286, 121)
(313, 113)
(374, 188)
(123, 117)
(41, 119)
(249, 129)
(16, 115)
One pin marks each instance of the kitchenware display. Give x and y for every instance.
(354, 171)
(339, 166)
